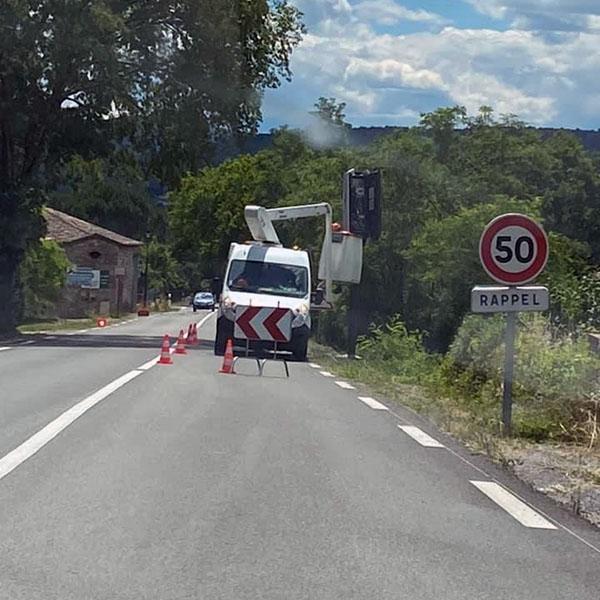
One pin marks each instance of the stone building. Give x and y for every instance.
(105, 267)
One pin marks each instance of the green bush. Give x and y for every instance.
(43, 274)
(554, 380)
(394, 349)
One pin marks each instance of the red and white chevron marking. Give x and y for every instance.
(264, 324)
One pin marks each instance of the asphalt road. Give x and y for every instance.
(177, 482)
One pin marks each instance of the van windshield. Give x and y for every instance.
(268, 278)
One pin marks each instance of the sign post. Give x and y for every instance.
(513, 250)
(509, 368)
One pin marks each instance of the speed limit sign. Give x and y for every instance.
(513, 249)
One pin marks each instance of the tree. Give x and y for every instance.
(167, 77)
(43, 273)
(444, 265)
(329, 128)
(164, 272)
(110, 193)
(206, 213)
(442, 123)
(572, 194)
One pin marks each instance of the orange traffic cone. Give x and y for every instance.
(228, 359)
(189, 338)
(165, 352)
(180, 347)
(195, 340)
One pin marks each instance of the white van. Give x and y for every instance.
(266, 275)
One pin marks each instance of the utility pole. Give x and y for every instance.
(362, 214)
(146, 270)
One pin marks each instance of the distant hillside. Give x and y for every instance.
(362, 136)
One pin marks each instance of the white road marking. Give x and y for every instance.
(344, 385)
(4, 348)
(372, 403)
(326, 374)
(420, 436)
(149, 364)
(37, 441)
(314, 366)
(513, 506)
(206, 318)
(27, 343)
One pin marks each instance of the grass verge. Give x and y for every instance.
(65, 324)
(566, 470)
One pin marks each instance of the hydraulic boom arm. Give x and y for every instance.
(260, 222)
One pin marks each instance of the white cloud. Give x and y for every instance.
(544, 78)
(389, 12)
(320, 13)
(490, 8)
(544, 15)
(391, 73)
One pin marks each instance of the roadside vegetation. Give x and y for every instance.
(139, 153)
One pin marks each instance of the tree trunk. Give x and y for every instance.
(20, 225)
(9, 290)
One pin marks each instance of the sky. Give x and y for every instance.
(390, 60)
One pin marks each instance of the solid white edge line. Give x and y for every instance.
(314, 366)
(516, 508)
(372, 403)
(206, 318)
(344, 385)
(326, 374)
(420, 436)
(149, 364)
(37, 441)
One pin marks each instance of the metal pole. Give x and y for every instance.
(146, 271)
(509, 364)
(353, 321)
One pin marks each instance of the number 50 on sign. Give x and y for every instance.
(513, 249)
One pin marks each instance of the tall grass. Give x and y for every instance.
(555, 385)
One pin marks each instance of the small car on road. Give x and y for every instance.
(203, 300)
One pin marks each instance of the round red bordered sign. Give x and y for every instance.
(513, 249)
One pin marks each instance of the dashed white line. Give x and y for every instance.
(27, 343)
(420, 436)
(513, 506)
(4, 348)
(326, 374)
(37, 441)
(314, 366)
(372, 403)
(344, 385)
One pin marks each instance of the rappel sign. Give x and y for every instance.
(513, 250)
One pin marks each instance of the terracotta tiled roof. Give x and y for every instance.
(64, 228)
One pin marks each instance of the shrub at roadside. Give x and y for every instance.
(555, 379)
(554, 387)
(43, 275)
